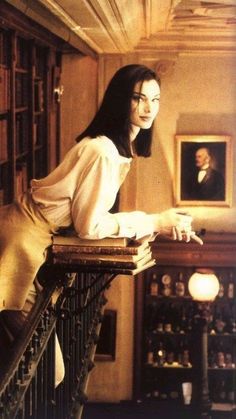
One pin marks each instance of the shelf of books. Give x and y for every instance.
(26, 86)
(4, 114)
(21, 112)
(39, 110)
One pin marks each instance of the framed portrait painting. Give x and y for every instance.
(203, 170)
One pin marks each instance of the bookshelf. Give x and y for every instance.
(4, 113)
(29, 112)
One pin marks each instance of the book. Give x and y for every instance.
(38, 96)
(133, 248)
(2, 196)
(106, 269)
(3, 140)
(136, 271)
(4, 89)
(21, 179)
(100, 256)
(73, 259)
(73, 239)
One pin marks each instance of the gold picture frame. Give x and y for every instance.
(210, 154)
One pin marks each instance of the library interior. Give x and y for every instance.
(139, 326)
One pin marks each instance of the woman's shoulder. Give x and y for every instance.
(98, 146)
(91, 149)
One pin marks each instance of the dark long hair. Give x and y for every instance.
(113, 117)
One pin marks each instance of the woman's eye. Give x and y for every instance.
(137, 98)
(156, 99)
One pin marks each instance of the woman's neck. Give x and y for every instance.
(134, 130)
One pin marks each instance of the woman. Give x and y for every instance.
(83, 188)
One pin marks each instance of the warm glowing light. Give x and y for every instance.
(203, 286)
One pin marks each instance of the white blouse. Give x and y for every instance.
(83, 189)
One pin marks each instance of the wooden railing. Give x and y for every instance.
(27, 369)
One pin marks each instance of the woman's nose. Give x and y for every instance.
(147, 107)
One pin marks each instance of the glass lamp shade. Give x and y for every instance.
(203, 286)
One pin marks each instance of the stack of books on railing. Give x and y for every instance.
(121, 254)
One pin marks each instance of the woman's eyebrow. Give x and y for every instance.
(142, 94)
(139, 94)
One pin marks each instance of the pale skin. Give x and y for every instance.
(202, 158)
(144, 109)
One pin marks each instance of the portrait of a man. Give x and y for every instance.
(202, 170)
(204, 182)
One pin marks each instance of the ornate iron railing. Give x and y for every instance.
(27, 374)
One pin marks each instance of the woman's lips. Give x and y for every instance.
(146, 118)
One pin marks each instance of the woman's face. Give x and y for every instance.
(144, 104)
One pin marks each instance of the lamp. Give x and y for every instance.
(203, 287)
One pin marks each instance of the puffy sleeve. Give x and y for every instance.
(94, 196)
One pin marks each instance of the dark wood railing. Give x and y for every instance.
(27, 375)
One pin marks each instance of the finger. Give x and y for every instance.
(187, 236)
(174, 236)
(178, 232)
(196, 238)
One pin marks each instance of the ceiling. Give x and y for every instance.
(124, 26)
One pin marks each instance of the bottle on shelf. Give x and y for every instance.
(219, 325)
(149, 358)
(170, 357)
(186, 358)
(183, 321)
(154, 285)
(160, 357)
(180, 286)
(159, 327)
(221, 292)
(183, 356)
(220, 354)
(218, 320)
(212, 357)
(168, 327)
(171, 352)
(230, 289)
(229, 359)
(229, 317)
(232, 325)
(220, 359)
(166, 282)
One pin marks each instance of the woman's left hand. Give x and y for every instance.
(183, 230)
